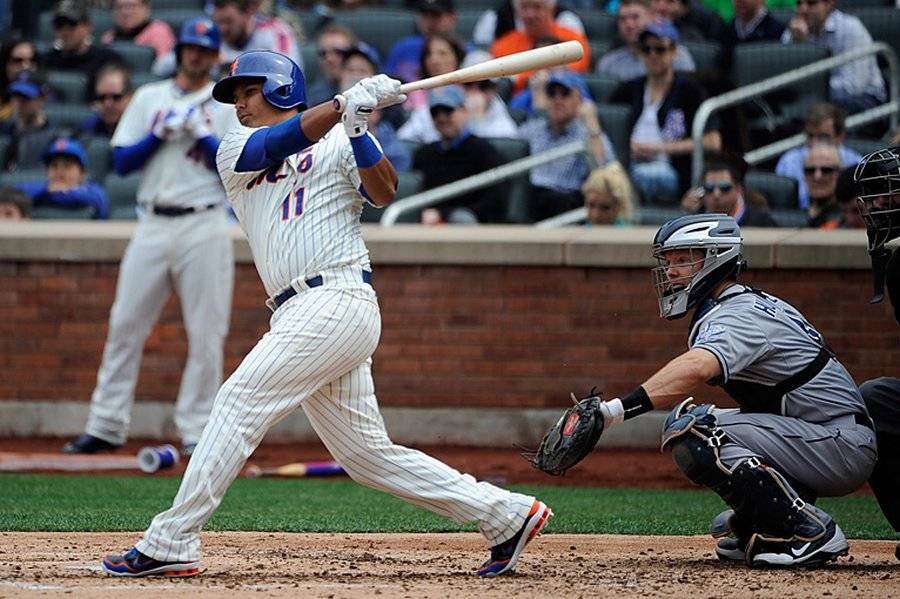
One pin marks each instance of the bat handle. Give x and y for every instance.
(339, 102)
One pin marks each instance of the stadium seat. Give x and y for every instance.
(101, 20)
(4, 145)
(68, 116)
(310, 55)
(22, 176)
(99, 156)
(411, 146)
(465, 23)
(601, 87)
(175, 17)
(379, 27)
(616, 122)
(864, 146)
(139, 79)
(655, 215)
(790, 218)
(883, 24)
(68, 86)
(517, 204)
(170, 4)
(122, 193)
(599, 25)
(504, 88)
(781, 192)
(598, 49)
(60, 213)
(138, 58)
(408, 184)
(705, 54)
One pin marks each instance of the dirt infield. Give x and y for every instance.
(342, 565)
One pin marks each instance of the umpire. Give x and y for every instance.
(877, 177)
(802, 430)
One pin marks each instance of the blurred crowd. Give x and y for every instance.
(70, 68)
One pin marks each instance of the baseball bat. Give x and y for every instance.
(296, 470)
(512, 64)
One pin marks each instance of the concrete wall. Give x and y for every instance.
(507, 318)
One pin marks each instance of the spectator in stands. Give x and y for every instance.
(855, 86)
(556, 185)
(752, 23)
(405, 58)
(29, 130)
(821, 168)
(237, 21)
(694, 21)
(824, 124)
(73, 49)
(486, 111)
(67, 185)
(333, 41)
(16, 55)
(663, 105)
(496, 22)
(441, 54)
(112, 93)
(846, 193)
(537, 17)
(456, 155)
(609, 196)
(624, 63)
(361, 61)
(723, 192)
(14, 204)
(134, 24)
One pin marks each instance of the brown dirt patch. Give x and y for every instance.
(441, 565)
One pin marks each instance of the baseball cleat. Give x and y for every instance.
(505, 555)
(731, 549)
(134, 564)
(88, 444)
(795, 553)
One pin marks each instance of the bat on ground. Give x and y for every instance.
(296, 470)
(513, 64)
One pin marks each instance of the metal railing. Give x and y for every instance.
(742, 94)
(487, 178)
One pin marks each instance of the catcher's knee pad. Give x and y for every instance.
(692, 434)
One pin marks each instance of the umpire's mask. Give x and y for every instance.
(694, 254)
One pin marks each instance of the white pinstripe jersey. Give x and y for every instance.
(176, 174)
(301, 217)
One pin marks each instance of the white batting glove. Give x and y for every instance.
(385, 90)
(360, 105)
(197, 122)
(169, 124)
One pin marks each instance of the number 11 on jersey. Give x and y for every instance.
(297, 198)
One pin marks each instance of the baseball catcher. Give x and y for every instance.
(802, 429)
(878, 179)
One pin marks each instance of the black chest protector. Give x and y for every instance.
(759, 397)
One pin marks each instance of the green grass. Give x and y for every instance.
(111, 503)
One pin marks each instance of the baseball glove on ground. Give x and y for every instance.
(572, 437)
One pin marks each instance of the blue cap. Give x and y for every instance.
(661, 28)
(66, 147)
(569, 80)
(367, 52)
(451, 96)
(27, 84)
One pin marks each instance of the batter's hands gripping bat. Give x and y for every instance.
(513, 64)
(296, 470)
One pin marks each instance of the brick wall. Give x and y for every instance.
(511, 336)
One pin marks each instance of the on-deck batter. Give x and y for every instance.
(297, 184)
(170, 132)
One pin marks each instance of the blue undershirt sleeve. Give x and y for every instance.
(209, 145)
(127, 159)
(270, 146)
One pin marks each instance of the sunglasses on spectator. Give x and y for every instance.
(723, 187)
(326, 51)
(114, 97)
(825, 170)
(558, 91)
(653, 49)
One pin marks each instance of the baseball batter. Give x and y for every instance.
(802, 430)
(170, 132)
(297, 182)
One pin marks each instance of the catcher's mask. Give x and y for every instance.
(709, 252)
(877, 178)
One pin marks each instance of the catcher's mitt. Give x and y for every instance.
(572, 437)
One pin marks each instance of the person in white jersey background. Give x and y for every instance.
(297, 180)
(170, 132)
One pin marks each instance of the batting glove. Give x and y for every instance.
(169, 124)
(197, 123)
(385, 90)
(360, 104)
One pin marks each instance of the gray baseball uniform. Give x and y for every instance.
(800, 409)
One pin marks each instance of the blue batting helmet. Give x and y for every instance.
(200, 31)
(283, 85)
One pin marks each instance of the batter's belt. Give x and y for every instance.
(317, 281)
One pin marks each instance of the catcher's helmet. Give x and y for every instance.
(718, 237)
(877, 178)
(283, 85)
(200, 31)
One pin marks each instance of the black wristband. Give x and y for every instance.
(636, 403)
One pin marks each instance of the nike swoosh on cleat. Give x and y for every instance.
(799, 552)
